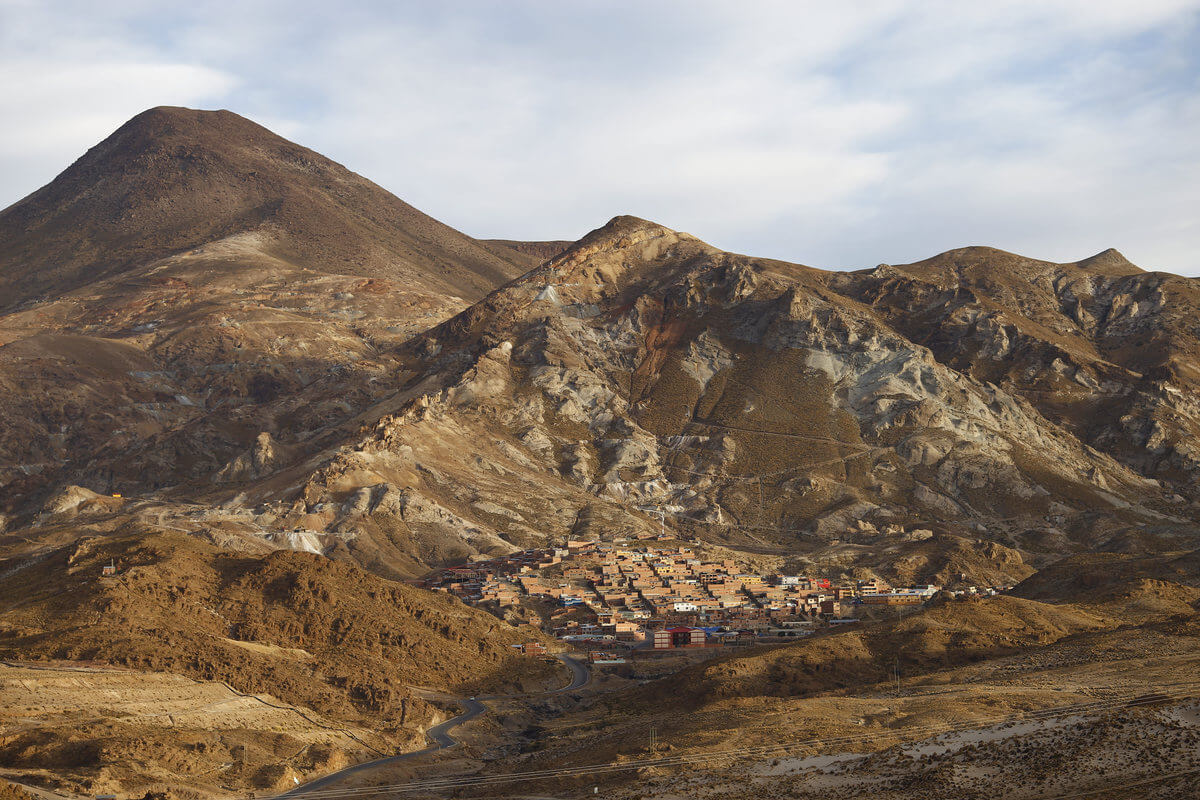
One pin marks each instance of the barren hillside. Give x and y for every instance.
(174, 179)
(769, 406)
(268, 392)
(333, 652)
(194, 281)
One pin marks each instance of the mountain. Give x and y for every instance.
(968, 417)
(267, 393)
(187, 272)
(894, 418)
(172, 180)
(975, 414)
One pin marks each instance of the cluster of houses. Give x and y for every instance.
(614, 594)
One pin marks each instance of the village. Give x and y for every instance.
(614, 599)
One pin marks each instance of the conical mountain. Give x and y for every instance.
(194, 283)
(174, 179)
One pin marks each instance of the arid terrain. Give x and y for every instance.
(249, 398)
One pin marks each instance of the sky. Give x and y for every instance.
(839, 135)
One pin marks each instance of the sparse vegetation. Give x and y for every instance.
(247, 394)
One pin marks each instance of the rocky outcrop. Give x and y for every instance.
(782, 401)
(72, 500)
(263, 458)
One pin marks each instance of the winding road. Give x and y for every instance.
(581, 674)
(439, 735)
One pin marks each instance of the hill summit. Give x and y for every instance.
(173, 179)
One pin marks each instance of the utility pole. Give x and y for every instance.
(653, 738)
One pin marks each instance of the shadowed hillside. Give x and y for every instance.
(341, 648)
(195, 261)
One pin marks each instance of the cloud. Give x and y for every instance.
(833, 135)
(63, 88)
(51, 105)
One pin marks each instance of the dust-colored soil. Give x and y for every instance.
(999, 697)
(265, 390)
(307, 652)
(104, 730)
(9, 791)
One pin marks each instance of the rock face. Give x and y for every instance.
(767, 404)
(775, 408)
(262, 459)
(971, 414)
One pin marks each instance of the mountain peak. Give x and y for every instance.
(624, 225)
(1110, 262)
(180, 115)
(172, 179)
(173, 137)
(628, 223)
(996, 262)
(182, 120)
(169, 125)
(622, 229)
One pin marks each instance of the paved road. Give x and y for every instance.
(580, 674)
(439, 735)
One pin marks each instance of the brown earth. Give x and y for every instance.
(9, 791)
(174, 179)
(991, 669)
(340, 646)
(989, 399)
(540, 251)
(195, 281)
(105, 730)
(775, 408)
(267, 389)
